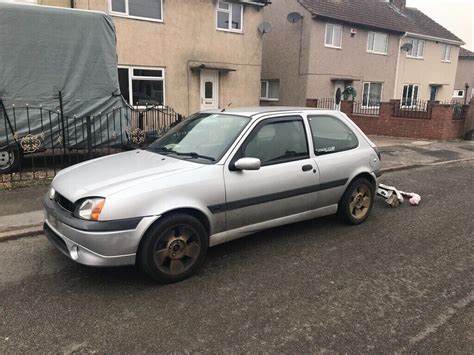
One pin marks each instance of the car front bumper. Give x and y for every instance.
(112, 243)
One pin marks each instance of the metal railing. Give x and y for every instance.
(358, 108)
(413, 109)
(326, 103)
(35, 142)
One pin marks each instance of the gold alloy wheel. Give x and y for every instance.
(360, 202)
(177, 250)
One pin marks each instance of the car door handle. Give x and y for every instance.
(307, 167)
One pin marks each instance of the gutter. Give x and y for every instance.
(256, 3)
(435, 39)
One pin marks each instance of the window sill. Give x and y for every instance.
(114, 14)
(411, 57)
(239, 32)
(377, 53)
(332, 47)
(269, 100)
(446, 61)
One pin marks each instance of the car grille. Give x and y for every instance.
(64, 202)
(55, 240)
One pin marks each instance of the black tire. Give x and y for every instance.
(354, 208)
(9, 160)
(173, 249)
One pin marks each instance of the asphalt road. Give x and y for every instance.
(402, 282)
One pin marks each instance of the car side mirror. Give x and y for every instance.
(248, 164)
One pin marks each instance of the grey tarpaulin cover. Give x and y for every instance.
(47, 50)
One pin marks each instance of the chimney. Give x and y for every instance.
(399, 4)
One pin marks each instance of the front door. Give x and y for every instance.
(209, 90)
(433, 93)
(285, 185)
(339, 87)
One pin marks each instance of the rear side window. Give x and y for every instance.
(277, 142)
(330, 135)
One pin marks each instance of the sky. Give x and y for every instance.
(456, 15)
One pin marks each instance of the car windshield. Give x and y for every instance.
(203, 137)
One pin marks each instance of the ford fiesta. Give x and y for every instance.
(215, 177)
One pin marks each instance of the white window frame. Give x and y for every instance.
(447, 50)
(373, 51)
(456, 94)
(421, 44)
(368, 100)
(326, 36)
(267, 89)
(418, 94)
(131, 77)
(126, 13)
(229, 11)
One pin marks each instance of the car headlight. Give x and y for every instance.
(51, 193)
(91, 208)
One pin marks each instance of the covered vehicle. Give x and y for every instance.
(58, 66)
(215, 177)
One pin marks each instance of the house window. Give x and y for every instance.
(377, 43)
(230, 16)
(410, 95)
(142, 86)
(447, 53)
(333, 36)
(418, 48)
(140, 9)
(270, 90)
(458, 94)
(372, 95)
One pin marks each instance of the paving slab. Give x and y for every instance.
(21, 200)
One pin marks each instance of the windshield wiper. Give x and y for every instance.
(162, 150)
(194, 155)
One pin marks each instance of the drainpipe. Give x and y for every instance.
(466, 86)
(72, 4)
(397, 69)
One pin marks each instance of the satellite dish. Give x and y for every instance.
(294, 17)
(407, 47)
(265, 27)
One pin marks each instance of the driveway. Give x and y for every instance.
(403, 281)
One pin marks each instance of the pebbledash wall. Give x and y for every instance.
(441, 125)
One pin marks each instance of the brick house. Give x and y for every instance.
(382, 48)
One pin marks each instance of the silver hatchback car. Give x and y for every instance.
(215, 177)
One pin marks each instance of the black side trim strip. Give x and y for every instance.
(234, 205)
(91, 226)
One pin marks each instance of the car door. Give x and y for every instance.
(286, 184)
(337, 156)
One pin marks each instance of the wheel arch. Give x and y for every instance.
(367, 176)
(195, 212)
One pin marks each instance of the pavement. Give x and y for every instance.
(399, 283)
(21, 215)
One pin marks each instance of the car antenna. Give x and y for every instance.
(229, 105)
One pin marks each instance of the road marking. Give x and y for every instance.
(442, 319)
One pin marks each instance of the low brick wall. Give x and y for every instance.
(440, 126)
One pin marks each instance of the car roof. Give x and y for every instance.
(262, 110)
